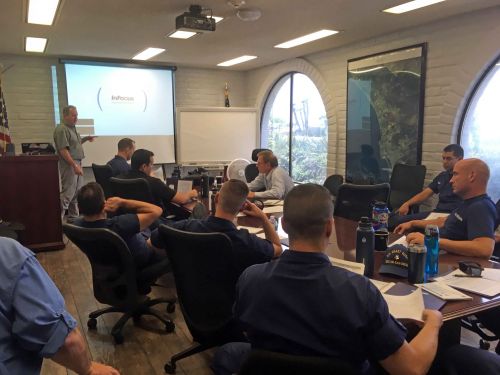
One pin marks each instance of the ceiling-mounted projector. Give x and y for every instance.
(194, 21)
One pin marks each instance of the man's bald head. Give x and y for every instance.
(470, 178)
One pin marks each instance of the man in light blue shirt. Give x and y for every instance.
(34, 323)
(274, 180)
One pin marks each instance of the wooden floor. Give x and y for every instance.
(146, 348)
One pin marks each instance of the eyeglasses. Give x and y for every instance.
(472, 269)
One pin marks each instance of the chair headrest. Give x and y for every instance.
(256, 151)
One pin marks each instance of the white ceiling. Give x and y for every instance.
(121, 28)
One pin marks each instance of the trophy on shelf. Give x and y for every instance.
(226, 95)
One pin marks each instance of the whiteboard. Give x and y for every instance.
(215, 135)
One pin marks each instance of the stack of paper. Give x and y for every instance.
(487, 285)
(409, 306)
(355, 267)
(273, 202)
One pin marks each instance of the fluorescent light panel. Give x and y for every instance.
(35, 44)
(42, 12)
(237, 60)
(180, 34)
(306, 38)
(148, 53)
(411, 5)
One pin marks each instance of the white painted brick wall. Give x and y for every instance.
(459, 49)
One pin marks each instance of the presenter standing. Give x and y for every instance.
(69, 148)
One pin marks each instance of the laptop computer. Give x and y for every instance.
(40, 148)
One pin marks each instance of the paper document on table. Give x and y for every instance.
(253, 230)
(491, 274)
(400, 241)
(479, 285)
(273, 202)
(263, 236)
(240, 214)
(382, 286)
(436, 215)
(409, 306)
(184, 186)
(444, 291)
(355, 267)
(273, 209)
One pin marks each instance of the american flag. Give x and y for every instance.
(4, 124)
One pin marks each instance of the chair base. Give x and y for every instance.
(135, 313)
(170, 366)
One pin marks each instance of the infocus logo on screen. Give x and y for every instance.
(119, 98)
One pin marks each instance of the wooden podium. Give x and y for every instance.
(29, 194)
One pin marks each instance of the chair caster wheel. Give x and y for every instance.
(484, 345)
(171, 308)
(92, 323)
(118, 337)
(170, 368)
(169, 327)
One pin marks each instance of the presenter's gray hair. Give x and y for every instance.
(66, 109)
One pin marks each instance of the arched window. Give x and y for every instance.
(295, 127)
(480, 132)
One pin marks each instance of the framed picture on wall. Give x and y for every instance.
(385, 109)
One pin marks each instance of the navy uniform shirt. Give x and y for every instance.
(127, 227)
(119, 165)
(448, 200)
(475, 217)
(302, 304)
(162, 194)
(34, 322)
(248, 248)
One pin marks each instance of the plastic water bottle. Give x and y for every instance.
(380, 216)
(365, 245)
(274, 221)
(432, 245)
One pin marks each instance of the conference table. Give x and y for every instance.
(342, 245)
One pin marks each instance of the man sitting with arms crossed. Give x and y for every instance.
(273, 179)
(469, 229)
(34, 323)
(142, 165)
(118, 164)
(301, 304)
(133, 228)
(448, 200)
(249, 248)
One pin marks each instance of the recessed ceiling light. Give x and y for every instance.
(237, 60)
(35, 44)
(217, 19)
(306, 38)
(42, 12)
(180, 34)
(148, 53)
(411, 5)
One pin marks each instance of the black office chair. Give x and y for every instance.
(332, 183)
(205, 276)
(116, 282)
(355, 201)
(406, 181)
(102, 174)
(263, 362)
(251, 171)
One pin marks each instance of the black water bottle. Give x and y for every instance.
(365, 245)
(205, 185)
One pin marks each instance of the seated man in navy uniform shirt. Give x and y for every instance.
(448, 200)
(141, 167)
(132, 227)
(470, 229)
(118, 164)
(249, 248)
(301, 304)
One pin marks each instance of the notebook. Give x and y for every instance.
(430, 301)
